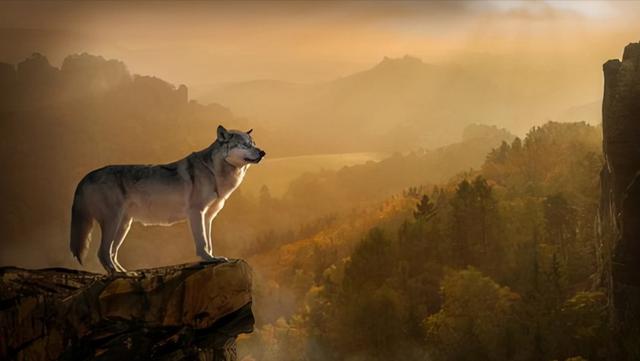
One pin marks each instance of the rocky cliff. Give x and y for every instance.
(620, 199)
(186, 312)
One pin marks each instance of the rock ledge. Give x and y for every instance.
(184, 312)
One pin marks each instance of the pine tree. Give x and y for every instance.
(560, 223)
(425, 209)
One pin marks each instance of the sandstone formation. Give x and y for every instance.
(619, 214)
(186, 312)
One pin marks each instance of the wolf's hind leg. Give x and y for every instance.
(109, 229)
(121, 234)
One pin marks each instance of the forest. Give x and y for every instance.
(494, 264)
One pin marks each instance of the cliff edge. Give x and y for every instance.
(619, 213)
(185, 312)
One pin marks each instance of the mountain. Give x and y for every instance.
(351, 114)
(399, 104)
(589, 112)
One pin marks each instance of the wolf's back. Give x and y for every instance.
(81, 224)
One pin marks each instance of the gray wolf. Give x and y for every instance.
(194, 188)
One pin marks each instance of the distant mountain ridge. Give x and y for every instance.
(399, 104)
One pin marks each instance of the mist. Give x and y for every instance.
(490, 110)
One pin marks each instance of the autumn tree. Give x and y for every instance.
(475, 320)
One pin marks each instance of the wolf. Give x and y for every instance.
(194, 188)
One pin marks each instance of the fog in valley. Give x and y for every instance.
(490, 110)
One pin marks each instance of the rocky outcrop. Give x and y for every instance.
(186, 312)
(619, 214)
(84, 78)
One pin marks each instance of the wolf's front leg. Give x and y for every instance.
(207, 232)
(197, 223)
(209, 219)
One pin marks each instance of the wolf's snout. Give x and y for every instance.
(257, 156)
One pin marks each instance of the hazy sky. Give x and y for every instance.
(203, 43)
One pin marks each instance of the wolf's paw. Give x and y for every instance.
(215, 259)
(126, 273)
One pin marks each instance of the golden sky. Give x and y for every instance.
(202, 43)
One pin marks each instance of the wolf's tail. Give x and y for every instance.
(81, 224)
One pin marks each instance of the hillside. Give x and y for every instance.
(399, 104)
(511, 242)
(333, 191)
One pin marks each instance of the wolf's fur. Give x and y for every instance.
(194, 188)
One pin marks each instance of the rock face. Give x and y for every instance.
(186, 312)
(619, 214)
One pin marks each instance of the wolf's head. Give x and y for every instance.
(241, 150)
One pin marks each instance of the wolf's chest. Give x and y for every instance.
(227, 185)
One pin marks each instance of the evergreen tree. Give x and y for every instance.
(474, 224)
(462, 226)
(425, 209)
(560, 223)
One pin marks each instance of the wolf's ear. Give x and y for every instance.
(249, 131)
(223, 134)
